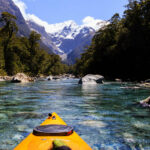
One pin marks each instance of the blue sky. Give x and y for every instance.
(54, 14)
(55, 11)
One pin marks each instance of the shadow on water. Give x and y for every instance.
(104, 115)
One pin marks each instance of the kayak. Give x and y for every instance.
(53, 128)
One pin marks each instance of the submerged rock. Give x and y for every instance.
(91, 79)
(21, 127)
(94, 123)
(17, 137)
(145, 102)
(3, 116)
(21, 77)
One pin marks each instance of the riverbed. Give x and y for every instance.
(106, 115)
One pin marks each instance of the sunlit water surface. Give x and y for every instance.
(104, 115)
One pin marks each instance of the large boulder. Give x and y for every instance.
(21, 77)
(50, 78)
(145, 102)
(91, 79)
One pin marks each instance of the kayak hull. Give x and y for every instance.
(32, 142)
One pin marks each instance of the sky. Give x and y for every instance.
(46, 12)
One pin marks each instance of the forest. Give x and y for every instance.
(122, 48)
(24, 54)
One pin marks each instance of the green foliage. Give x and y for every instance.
(22, 54)
(122, 48)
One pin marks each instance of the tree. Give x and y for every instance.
(7, 32)
(22, 54)
(122, 48)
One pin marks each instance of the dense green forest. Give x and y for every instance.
(24, 54)
(122, 48)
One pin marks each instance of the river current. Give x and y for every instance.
(106, 115)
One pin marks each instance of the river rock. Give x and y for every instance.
(146, 85)
(6, 78)
(94, 123)
(91, 79)
(1, 80)
(118, 80)
(50, 78)
(21, 77)
(145, 102)
(57, 77)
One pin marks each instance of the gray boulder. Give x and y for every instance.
(21, 77)
(145, 102)
(91, 79)
(50, 78)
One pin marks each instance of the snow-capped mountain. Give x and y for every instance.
(71, 36)
(68, 35)
(47, 40)
(64, 38)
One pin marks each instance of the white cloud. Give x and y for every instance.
(92, 22)
(52, 28)
(48, 27)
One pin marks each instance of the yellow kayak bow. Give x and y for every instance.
(37, 141)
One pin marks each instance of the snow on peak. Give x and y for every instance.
(93, 23)
(73, 26)
(58, 27)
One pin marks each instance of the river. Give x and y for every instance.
(105, 116)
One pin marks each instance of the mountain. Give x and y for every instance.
(46, 39)
(71, 36)
(24, 30)
(72, 39)
(67, 39)
(9, 6)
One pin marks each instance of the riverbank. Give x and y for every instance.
(37, 78)
(145, 83)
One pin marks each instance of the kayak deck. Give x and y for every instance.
(32, 142)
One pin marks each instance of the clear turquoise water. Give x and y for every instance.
(105, 116)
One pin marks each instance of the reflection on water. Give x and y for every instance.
(104, 115)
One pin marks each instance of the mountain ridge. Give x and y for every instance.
(23, 29)
(68, 37)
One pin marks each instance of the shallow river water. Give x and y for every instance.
(105, 116)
